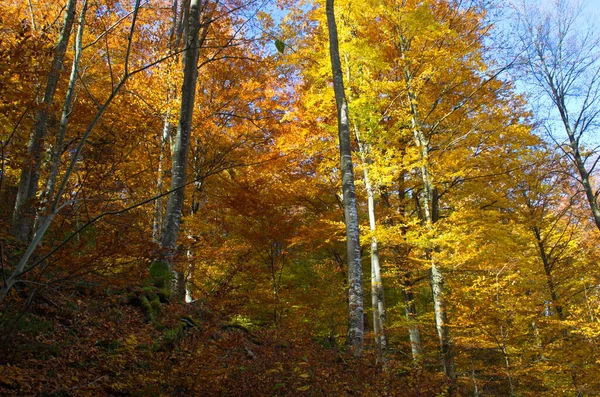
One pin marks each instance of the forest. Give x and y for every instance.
(299, 198)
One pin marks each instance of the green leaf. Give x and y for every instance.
(280, 45)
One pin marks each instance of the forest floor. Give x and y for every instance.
(87, 341)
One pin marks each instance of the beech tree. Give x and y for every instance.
(355, 291)
(163, 265)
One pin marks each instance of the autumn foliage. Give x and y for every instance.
(487, 247)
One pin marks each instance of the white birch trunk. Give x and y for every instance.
(355, 288)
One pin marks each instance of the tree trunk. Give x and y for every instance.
(441, 322)
(66, 111)
(547, 262)
(172, 221)
(24, 211)
(430, 214)
(584, 174)
(377, 291)
(56, 206)
(561, 57)
(410, 310)
(166, 134)
(157, 222)
(355, 289)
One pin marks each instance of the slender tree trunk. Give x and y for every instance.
(56, 206)
(441, 322)
(548, 271)
(574, 144)
(537, 340)
(377, 290)
(355, 289)
(157, 222)
(66, 111)
(172, 221)
(563, 58)
(507, 365)
(410, 310)
(24, 212)
(585, 177)
(430, 210)
(30, 6)
(174, 40)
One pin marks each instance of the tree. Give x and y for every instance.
(24, 213)
(355, 291)
(170, 232)
(57, 204)
(562, 60)
(67, 109)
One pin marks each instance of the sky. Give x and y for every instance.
(541, 105)
(593, 6)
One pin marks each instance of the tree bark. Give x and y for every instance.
(172, 220)
(410, 309)
(355, 288)
(24, 213)
(157, 222)
(166, 134)
(548, 265)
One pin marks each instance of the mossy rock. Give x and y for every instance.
(147, 307)
(151, 297)
(173, 335)
(147, 299)
(161, 277)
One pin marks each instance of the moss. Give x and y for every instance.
(171, 336)
(147, 308)
(161, 277)
(154, 302)
(29, 324)
(148, 290)
(150, 297)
